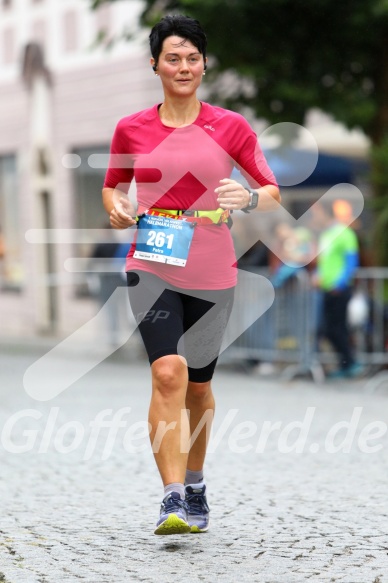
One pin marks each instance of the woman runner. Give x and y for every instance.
(181, 267)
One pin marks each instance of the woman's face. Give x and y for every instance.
(180, 67)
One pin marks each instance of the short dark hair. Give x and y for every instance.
(177, 25)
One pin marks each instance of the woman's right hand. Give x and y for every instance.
(122, 215)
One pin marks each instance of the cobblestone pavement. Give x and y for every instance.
(80, 503)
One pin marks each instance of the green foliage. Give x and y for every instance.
(96, 3)
(298, 54)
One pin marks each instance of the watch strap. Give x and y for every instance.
(253, 200)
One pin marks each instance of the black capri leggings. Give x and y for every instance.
(173, 320)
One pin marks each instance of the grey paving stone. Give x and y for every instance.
(277, 516)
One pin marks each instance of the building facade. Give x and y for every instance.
(61, 95)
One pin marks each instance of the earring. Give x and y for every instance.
(204, 73)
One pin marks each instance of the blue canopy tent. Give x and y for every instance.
(302, 168)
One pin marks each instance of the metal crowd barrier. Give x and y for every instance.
(286, 333)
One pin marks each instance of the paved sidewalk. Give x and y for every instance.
(318, 514)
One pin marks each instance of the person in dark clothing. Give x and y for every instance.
(337, 262)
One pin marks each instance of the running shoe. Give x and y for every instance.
(355, 370)
(198, 515)
(173, 516)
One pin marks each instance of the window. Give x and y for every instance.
(38, 33)
(88, 184)
(9, 52)
(11, 269)
(103, 23)
(87, 203)
(70, 32)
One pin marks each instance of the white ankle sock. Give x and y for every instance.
(175, 487)
(193, 477)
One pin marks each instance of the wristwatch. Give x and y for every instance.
(253, 200)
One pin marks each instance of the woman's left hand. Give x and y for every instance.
(232, 195)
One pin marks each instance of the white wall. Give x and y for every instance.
(45, 21)
(90, 91)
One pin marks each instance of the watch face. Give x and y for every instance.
(254, 199)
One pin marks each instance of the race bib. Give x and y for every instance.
(163, 239)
